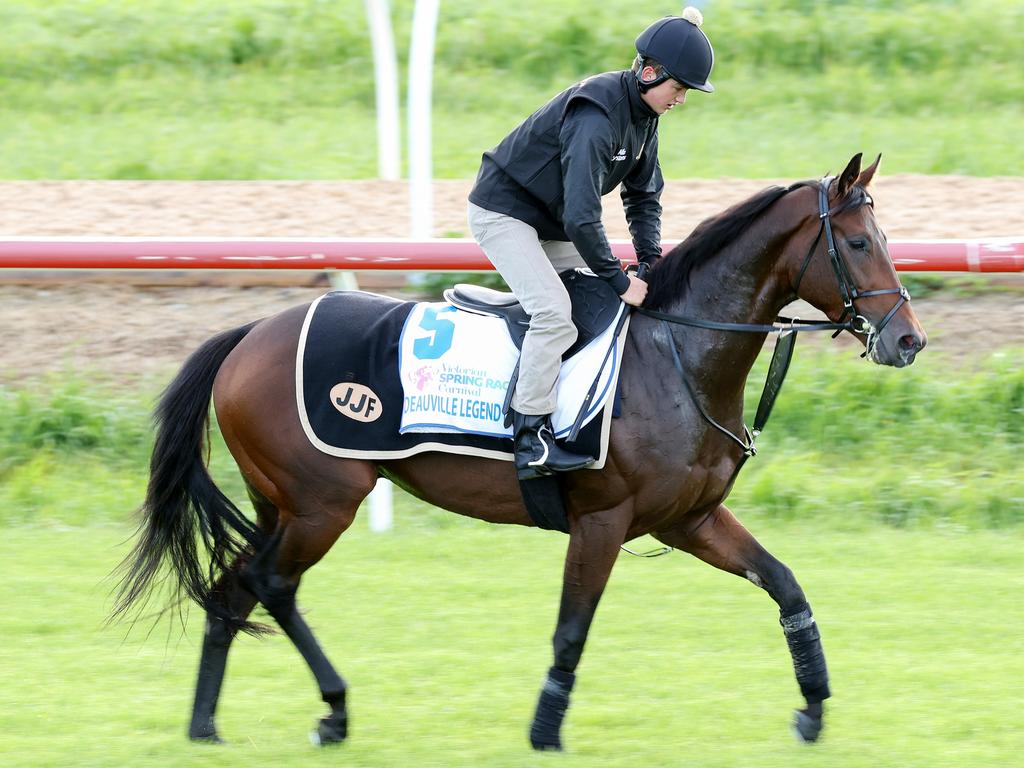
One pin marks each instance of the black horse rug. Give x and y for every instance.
(423, 376)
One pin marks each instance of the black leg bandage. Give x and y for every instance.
(804, 642)
(554, 701)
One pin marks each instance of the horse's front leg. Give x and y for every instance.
(594, 542)
(719, 539)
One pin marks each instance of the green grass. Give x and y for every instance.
(258, 125)
(326, 141)
(282, 89)
(853, 443)
(443, 634)
(895, 496)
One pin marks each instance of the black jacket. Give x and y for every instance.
(588, 140)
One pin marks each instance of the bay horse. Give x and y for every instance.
(673, 454)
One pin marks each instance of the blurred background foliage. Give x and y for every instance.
(284, 88)
(849, 444)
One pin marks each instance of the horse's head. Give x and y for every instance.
(849, 275)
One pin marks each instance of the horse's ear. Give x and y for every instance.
(868, 173)
(848, 177)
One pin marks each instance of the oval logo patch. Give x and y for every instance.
(356, 401)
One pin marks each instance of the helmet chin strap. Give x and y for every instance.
(646, 85)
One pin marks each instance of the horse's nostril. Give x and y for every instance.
(910, 342)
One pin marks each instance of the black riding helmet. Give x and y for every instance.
(681, 47)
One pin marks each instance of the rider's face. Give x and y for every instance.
(661, 98)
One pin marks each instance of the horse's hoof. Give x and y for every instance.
(545, 742)
(206, 738)
(204, 733)
(542, 746)
(806, 728)
(332, 729)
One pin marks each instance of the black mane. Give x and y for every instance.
(671, 274)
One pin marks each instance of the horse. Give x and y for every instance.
(673, 454)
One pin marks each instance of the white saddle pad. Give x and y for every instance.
(455, 368)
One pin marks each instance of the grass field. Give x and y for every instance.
(442, 630)
(283, 89)
(895, 496)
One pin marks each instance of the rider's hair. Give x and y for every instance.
(640, 62)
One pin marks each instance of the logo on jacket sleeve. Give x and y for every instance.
(620, 155)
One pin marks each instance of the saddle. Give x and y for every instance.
(421, 377)
(595, 306)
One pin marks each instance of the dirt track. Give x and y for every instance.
(126, 333)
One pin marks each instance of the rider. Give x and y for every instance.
(535, 209)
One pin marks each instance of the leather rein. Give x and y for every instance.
(788, 328)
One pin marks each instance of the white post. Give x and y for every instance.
(421, 78)
(381, 515)
(385, 72)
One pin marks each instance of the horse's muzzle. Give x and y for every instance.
(899, 335)
(909, 345)
(898, 347)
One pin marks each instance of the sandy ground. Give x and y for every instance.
(909, 206)
(127, 332)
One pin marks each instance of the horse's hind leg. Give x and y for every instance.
(304, 534)
(220, 633)
(213, 660)
(720, 540)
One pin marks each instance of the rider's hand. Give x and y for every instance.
(636, 293)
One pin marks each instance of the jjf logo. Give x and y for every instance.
(620, 155)
(356, 401)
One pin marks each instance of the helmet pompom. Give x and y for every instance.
(693, 15)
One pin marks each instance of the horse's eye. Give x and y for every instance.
(858, 243)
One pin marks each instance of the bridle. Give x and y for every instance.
(848, 290)
(788, 328)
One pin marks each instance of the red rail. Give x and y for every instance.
(994, 255)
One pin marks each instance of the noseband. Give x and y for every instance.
(788, 328)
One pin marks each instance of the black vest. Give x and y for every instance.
(522, 176)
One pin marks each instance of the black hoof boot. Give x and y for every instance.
(212, 738)
(806, 727)
(204, 733)
(542, 746)
(536, 451)
(332, 729)
(545, 733)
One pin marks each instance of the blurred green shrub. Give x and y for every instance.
(858, 444)
(70, 418)
(433, 284)
(849, 443)
(250, 89)
(971, 42)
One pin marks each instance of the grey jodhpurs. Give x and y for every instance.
(531, 267)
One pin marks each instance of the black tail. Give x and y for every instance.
(183, 507)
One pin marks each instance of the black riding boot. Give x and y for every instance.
(536, 451)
